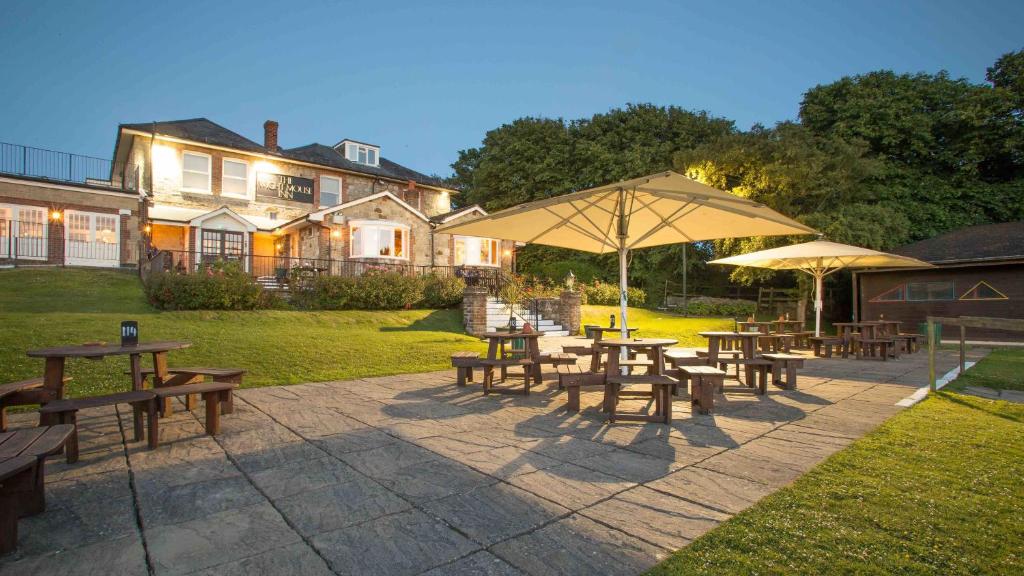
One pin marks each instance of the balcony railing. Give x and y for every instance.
(51, 164)
(278, 271)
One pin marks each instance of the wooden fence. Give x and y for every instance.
(964, 322)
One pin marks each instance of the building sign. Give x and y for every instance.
(283, 187)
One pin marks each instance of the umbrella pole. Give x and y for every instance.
(818, 276)
(623, 280)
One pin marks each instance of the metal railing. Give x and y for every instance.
(52, 164)
(45, 241)
(281, 269)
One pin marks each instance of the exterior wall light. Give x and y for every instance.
(56, 215)
(336, 233)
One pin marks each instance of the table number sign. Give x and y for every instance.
(129, 333)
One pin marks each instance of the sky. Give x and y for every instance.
(426, 79)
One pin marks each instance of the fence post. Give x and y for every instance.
(931, 354)
(963, 348)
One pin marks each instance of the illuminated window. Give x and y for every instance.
(470, 251)
(195, 172)
(983, 291)
(330, 191)
(379, 240)
(235, 180)
(930, 291)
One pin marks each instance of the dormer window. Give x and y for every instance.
(361, 153)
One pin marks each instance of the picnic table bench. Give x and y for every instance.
(464, 362)
(11, 390)
(787, 362)
(704, 382)
(824, 345)
(190, 375)
(66, 412)
(22, 456)
(216, 395)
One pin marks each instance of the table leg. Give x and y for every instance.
(534, 346)
(659, 361)
(748, 353)
(611, 366)
(53, 384)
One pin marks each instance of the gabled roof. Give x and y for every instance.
(318, 216)
(199, 130)
(459, 213)
(981, 243)
(204, 131)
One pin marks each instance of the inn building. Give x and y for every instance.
(209, 193)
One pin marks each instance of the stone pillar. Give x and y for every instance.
(474, 310)
(569, 313)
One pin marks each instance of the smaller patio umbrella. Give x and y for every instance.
(819, 259)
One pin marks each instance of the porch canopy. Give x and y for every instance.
(819, 259)
(663, 208)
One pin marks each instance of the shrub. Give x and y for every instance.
(725, 307)
(324, 293)
(442, 291)
(221, 286)
(605, 294)
(386, 291)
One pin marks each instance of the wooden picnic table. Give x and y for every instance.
(599, 332)
(764, 327)
(890, 327)
(784, 326)
(496, 348)
(654, 348)
(53, 374)
(748, 347)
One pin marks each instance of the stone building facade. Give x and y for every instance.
(211, 193)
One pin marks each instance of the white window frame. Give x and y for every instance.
(320, 200)
(477, 241)
(14, 211)
(352, 150)
(209, 172)
(113, 248)
(224, 176)
(379, 225)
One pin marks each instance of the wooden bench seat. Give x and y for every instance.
(578, 350)
(216, 396)
(909, 342)
(865, 348)
(17, 483)
(10, 391)
(760, 368)
(704, 382)
(191, 374)
(22, 466)
(503, 364)
(464, 363)
(801, 339)
(826, 344)
(559, 358)
(571, 378)
(661, 391)
(66, 412)
(789, 363)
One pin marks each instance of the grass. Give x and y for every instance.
(935, 490)
(48, 307)
(657, 323)
(1002, 369)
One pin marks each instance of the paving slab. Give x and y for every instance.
(477, 564)
(493, 513)
(570, 485)
(298, 559)
(339, 505)
(655, 517)
(406, 543)
(579, 546)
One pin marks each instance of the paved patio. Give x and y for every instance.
(412, 475)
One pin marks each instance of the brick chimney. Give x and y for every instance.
(270, 134)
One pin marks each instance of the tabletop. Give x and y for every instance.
(511, 335)
(719, 334)
(639, 342)
(97, 351)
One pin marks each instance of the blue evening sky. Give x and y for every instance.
(427, 79)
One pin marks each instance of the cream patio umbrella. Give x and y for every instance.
(663, 208)
(819, 259)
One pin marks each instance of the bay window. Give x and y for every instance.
(195, 172)
(235, 179)
(471, 251)
(330, 191)
(379, 240)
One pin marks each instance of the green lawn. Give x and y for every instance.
(658, 323)
(49, 307)
(1003, 368)
(936, 490)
